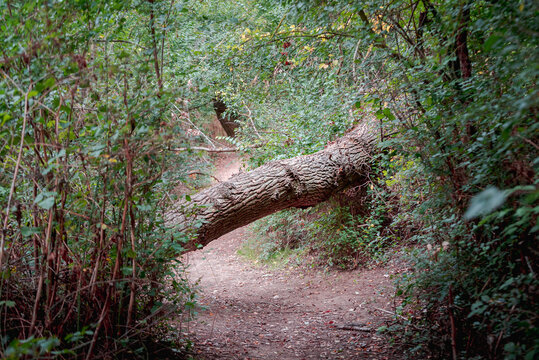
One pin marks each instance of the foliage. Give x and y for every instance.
(350, 240)
(453, 86)
(94, 95)
(483, 130)
(336, 235)
(87, 114)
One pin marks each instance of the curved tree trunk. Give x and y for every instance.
(300, 182)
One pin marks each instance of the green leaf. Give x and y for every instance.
(144, 207)
(386, 143)
(531, 355)
(47, 344)
(49, 82)
(131, 254)
(388, 114)
(510, 347)
(123, 54)
(29, 231)
(47, 203)
(40, 87)
(7, 303)
(491, 41)
(485, 202)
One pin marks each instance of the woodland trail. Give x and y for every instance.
(256, 312)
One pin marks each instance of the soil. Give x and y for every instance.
(249, 311)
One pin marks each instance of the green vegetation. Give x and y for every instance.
(261, 251)
(453, 85)
(86, 109)
(348, 231)
(95, 96)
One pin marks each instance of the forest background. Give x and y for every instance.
(100, 102)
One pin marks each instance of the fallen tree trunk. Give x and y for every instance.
(299, 182)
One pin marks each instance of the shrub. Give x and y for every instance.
(85, 127)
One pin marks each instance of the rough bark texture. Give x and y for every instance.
(228, 122)
(463, 56)
(299, 182)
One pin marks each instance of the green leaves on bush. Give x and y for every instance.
(485, 202)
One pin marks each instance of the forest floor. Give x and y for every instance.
(251, 311)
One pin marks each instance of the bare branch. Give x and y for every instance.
(217, 150)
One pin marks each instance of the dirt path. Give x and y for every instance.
(253, 312)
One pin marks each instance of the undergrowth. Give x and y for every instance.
(351, 230)
(87, 263)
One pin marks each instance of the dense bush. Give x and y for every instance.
(86, 119)
(476, 140)
(352, 229)
(453, 85)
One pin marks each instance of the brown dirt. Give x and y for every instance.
(256, 312)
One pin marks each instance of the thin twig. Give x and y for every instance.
(529, 142)
(154, 39)
(203, 174)
(122, 41)
(15, 172)
(354, 60)
(188, 118)
(453, 327)
(217, 150)
(249, 115)
(390, 312)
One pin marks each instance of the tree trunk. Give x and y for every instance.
(463, 56)
(228, 122)
(299, 182)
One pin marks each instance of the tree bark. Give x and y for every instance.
(299, 182)
(228, 122)
(465, 65)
